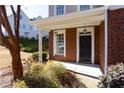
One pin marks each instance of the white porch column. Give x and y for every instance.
(40, 46)
(106, 41)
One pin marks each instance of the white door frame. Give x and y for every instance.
(89, 29)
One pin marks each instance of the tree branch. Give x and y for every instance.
(4, 40)
(17, 23)
(13, 11)
(1, 34)
(14, 16)
(1, 19)
(7, 25)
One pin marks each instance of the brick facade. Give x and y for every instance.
(115, 36)
(70, 46)
(96, 36)
(101, 44)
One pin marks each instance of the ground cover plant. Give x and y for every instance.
(114, 78)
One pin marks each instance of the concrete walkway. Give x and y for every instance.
(91, 70)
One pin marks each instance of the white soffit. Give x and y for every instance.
(77, 19)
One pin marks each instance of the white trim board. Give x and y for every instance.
(89, 29)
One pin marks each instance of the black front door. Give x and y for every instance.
(85, 49)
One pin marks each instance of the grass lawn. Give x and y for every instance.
(31, 45)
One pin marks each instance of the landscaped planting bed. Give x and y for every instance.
(49, 75)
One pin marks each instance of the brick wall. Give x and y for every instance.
(101, 45)
(96, 36)
(116, 36)
(70, 46)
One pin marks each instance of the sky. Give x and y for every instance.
(35, 10)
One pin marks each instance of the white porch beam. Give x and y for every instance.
(40, 46)
(76, 22)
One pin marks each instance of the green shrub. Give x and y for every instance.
(35, 56)
(44, 56)
(57, 68)
(38, 76)
(53, 71)
(43, 75)
(20, 84)
(35, 69)
(114, 77)
(49, 75)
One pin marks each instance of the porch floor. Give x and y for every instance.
(91, 70)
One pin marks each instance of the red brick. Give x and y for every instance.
(116, 36)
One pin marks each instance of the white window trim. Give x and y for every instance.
(54, 41)
(55, 10)
(90, 29)
(78, 7)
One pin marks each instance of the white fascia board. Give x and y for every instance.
(69, 16)
(75, 22)
(114, 7)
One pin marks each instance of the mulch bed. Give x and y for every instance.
(69, 80)
(6, 77)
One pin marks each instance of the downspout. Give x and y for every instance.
(106, 40)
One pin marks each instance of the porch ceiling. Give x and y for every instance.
(77, 19)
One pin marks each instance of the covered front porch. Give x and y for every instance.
(87, 23)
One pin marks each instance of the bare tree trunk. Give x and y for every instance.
(13, 42)
(17, 65)
(16, 60)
